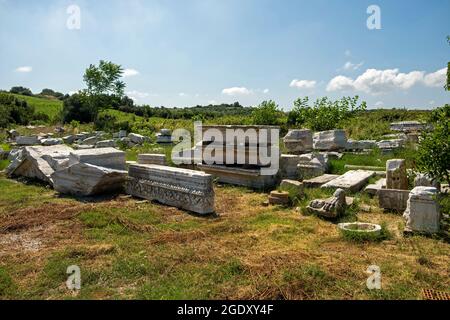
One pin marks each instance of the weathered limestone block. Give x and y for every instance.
(396, 177)
(317, 182)
(422, 213)
(390, 145)
(69, 139)
(358, 145)
(106, 144)
(51, 141)
(353, 180)
(408, 126)
(137, 138)
(186, 189)
(393, 199)
(289, 166)
(331, 207)
(264, 133)
(152, 159)
(219, 153)
(372, 189)
(39, 162)
(330, 140)
(312, 165)
(298, 141)
(90, 141)
(251, 178)
(28, 141)
(85, 179)
(279, 198)
(103, 157)
(424, 180)
(292, 185)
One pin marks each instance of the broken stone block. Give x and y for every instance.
(51, 141)
(317, 182)
(331, 208)
(137, 138)
(408, 126)
(186, 189)
(279, 198)
(83, 179)
(330, 140)
(292, 185)
(27, 141)
(359, 145)
(122, 134)
(353, 180)
(422, 213)
(90, 141)
(393, 199)
(106, 144)
(59, 130)
(13, 134)
(424, 180)
(39, 162)
(298, 141)
(396, 177)
(386, 146)
(69, 139)
(103, 157)
(372, 189)
(152, 159)
(288, 166)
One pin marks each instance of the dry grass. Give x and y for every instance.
(130, 249)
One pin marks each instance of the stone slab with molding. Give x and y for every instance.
(353, 180)
(317, 182)
(152, 158)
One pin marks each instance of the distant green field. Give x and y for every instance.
(48, 106)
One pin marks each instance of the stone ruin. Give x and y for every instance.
(422, 213)
(396, 177)
(183, 188)
(331, 140)
(246, 173)
(298, 141)
(152, 158)
(164, 136)
(68, 171)
(330, 208)
(408, 126)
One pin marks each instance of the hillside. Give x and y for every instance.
(51, 107)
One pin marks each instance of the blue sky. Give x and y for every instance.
(188, 52)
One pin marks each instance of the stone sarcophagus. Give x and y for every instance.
(182, 188)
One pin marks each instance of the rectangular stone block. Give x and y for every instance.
(392, 199)
(250, 178)
(149, 158)
(182, 188)
(103, 157)
(353, 180)
(422, 213)
(317, 182)
(372, 189)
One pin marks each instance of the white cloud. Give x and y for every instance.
(130, 73)
(436, 79)
(266, 91)
(352, 66)
(302, 84)
(182, 94)
(24, 69)
(347, 53)
(379, 81)
(138, 95)
(234, 91)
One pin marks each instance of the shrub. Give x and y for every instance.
(21, 90)
(324, 114)
(434, 146)
(14, 111)
(267, 113)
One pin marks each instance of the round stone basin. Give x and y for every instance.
(360, 228)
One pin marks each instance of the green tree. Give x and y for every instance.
(104, 79)
(266, 113)
(434, 147)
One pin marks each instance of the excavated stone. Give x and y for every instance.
(105, 157)
(331, 208)
(51, 141)
(137, 138)
(27, 140)
(317, 182)
(353, 180)
(152, 159)
(330, 140)
(393, 199)
(298, 141)
(422, 213)
(358, 145)
(396, 177)
(83, 179)
(293, 185)
(186, 189)
(106, 144)
(372, 189)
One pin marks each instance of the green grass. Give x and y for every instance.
(51, 107)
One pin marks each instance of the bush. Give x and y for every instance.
(14, 111)
(21, 90)
(324, 114)
(267, 113)
(434, 146)
(52, 93)
(76, 107)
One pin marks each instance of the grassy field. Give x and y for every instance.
(127, 248)
(51, 107)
